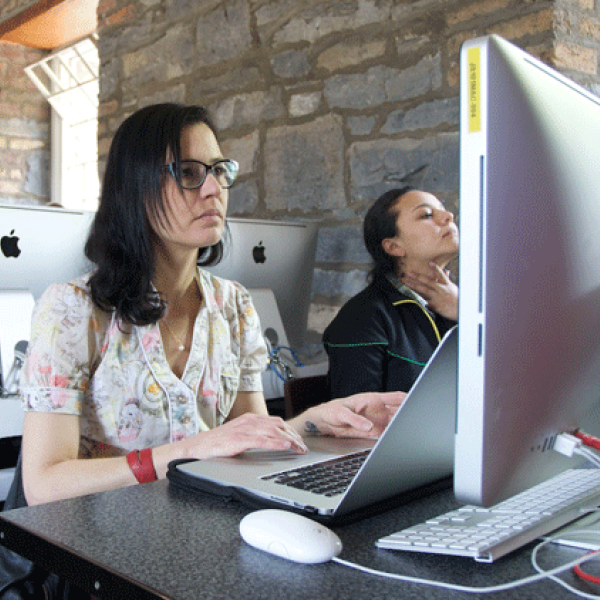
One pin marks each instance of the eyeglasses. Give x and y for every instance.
(192, 173)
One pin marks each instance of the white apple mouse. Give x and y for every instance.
(290, 536)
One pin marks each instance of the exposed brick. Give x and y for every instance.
(105, 6)
(576, 58)
(123, 15)
(525, 26)
(475, 10)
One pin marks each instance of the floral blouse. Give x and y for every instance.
(83, 361)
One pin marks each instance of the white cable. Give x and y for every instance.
(550, 576)
(469, 589)
(589, 454)
(569, 445)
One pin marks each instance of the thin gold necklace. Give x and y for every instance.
(181, 347)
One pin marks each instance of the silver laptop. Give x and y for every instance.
(416, 449)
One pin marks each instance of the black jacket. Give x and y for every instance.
(379, 341)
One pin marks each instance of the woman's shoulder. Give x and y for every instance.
(76, 288)
(220, 284)
(73, 298)
(368, 310)
(369, 300)
(221, 293)
(357, 312)
(229, 298)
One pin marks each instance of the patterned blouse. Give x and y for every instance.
(82, 361)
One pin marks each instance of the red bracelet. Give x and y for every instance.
(142, 466)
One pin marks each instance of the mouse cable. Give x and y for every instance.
(540, 576)
(576, 568)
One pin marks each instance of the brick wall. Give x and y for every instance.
(24, 130)
(11, 8)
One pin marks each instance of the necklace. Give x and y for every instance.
(181, 347)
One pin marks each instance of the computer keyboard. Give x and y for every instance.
(329, 477)
(486, 534)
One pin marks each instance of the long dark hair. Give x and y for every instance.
(379, 224)
(121, 238)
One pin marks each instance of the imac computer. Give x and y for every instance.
(38, 246)
(41, 245)
(275, 255)
(529, 308)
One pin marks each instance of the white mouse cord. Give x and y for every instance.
(551, 574)
(574, 533)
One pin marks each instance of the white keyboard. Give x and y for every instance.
(486, 534)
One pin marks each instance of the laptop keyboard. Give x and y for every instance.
(328, 478)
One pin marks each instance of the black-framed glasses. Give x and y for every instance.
(192, 173)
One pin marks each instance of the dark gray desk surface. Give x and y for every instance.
(152, 541)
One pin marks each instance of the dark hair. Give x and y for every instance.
(121, 238)
(379, 224)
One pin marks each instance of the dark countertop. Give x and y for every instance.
(154, 541)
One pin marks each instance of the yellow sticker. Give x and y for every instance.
(474, 90)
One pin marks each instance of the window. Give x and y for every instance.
(68, 79)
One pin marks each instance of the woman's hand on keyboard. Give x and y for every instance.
(247, 432)
(363, 415)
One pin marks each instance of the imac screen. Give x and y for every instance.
(529, 308)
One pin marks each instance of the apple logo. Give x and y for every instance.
(10, 245)
(258, 253)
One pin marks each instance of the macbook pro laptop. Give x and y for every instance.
(416, 449)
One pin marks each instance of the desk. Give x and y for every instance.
(153, 541)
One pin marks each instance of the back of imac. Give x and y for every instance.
(274, 255)
(529, 311)
(41, 245)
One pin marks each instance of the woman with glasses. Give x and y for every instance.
(381, 338)
(151, 358)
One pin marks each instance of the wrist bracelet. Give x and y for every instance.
(142, 466)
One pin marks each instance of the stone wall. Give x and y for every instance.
(325, 103)
(24, 130)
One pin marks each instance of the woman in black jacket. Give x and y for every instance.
(382, 337)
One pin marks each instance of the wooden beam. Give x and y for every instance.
(50, 24)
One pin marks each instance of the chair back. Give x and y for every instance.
(300, 393)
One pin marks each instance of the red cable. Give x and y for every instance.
(588, 440)
(593, 442)
(586, 576)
